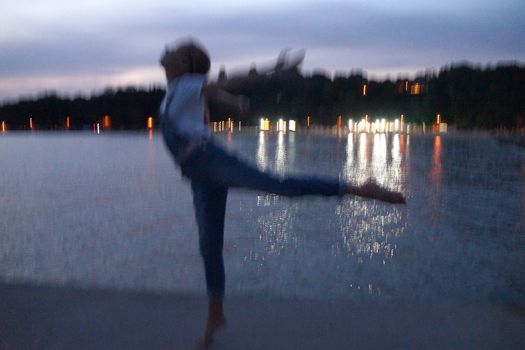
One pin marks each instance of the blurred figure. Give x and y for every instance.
(212, 170)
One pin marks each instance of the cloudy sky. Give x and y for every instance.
(84, 46)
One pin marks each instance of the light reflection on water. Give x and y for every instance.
(262, 158)
(113, 211)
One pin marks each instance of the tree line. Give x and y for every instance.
(465, 96)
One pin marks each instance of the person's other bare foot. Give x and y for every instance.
(371, 189)
(211, 328)
(216, 321)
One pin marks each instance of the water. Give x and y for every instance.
(111, 210)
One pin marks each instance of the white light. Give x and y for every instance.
(265, 124)
(281, 125)
(291, 125)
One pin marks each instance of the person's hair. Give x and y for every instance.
(199, 61)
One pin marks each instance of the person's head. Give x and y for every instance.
(188, 57)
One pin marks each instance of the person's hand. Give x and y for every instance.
(370, 189)
(287, 62)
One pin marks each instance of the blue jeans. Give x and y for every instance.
(212, 171)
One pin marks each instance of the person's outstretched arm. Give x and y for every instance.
(217, 92)
(217, 95)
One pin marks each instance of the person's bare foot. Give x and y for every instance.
(371, 189)
(212, 326)
(216, 321)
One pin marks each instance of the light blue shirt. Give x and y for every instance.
(186, 109)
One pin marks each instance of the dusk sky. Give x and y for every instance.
(84, 46)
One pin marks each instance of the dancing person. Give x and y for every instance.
(212, 170)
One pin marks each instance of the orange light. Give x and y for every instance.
(307, 121)
(438, 119)
(436, 166)
(364, 89)
(30, 123)
(68, 122)
(106, 122)
(415, 89)
(4, 126)
(339, 122)
(150, 122)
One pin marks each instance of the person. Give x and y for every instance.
(212, 170)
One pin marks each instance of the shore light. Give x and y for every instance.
(106, 122)
(31, 123)
(291, 125)
(281, 125)
(68, 122)
(265, 124)
(150, 122)
(4, 126)
(375, 126)
(350, 125)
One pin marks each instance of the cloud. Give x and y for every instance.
(402, 35)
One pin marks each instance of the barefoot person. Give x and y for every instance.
(212, 171)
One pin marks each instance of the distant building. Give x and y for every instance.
(403, 86)
(253, 71)
(419, 86)
(222, 75)
(415, 89)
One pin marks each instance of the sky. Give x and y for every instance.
(83, 47)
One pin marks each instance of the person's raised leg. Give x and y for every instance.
(230, 171)
(210, 209)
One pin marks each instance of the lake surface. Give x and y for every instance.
(111, 210)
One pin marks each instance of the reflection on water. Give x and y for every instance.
(379, 156)
(280, 155)
(363, 158)
(275, 230)
(367, 229)
(262, 157)
(435, 172)
(379, 159)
